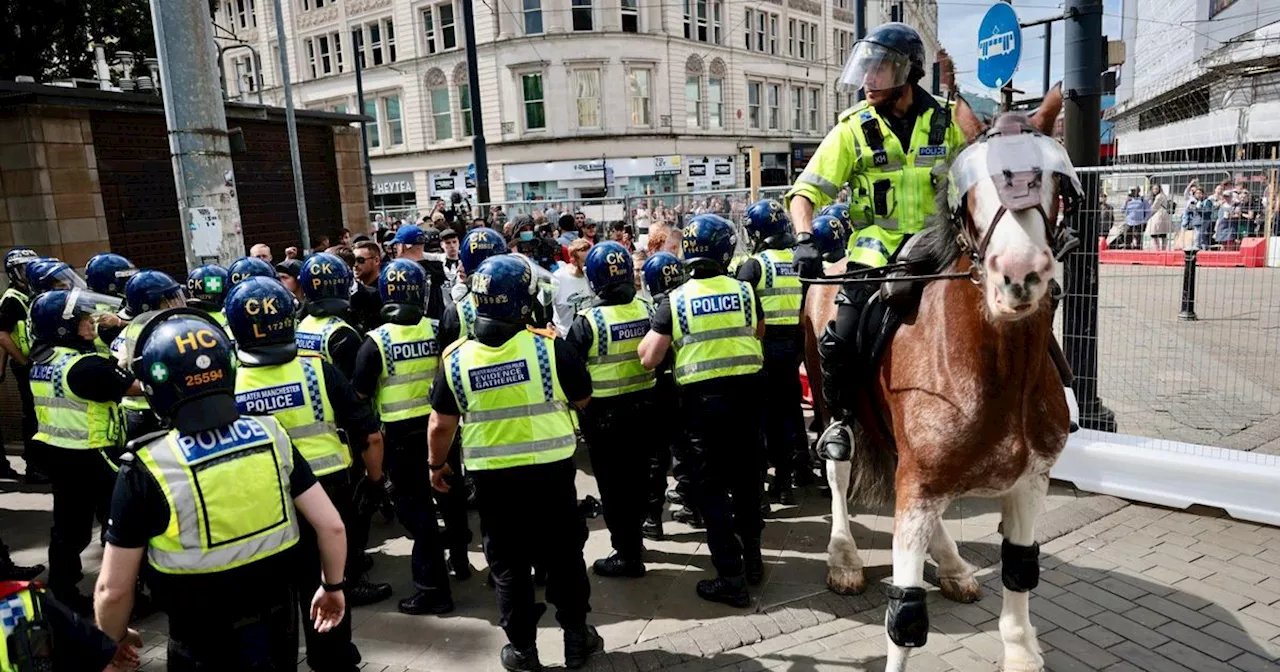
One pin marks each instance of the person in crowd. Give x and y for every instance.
(366, 306)
(1136, 213)
(572, 289)
(638, 257)
(620, 232)
(588, 231)
(345, 253)
(1199, 216)
(15, 342)
(422, 245)
(287, 272)
(261, 251)
(518, 442)
(568, 229)
(449, 242)
(1160, 223)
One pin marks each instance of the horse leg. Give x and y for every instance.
(1020, 571)
(955, 575)
(844, 567)
(907, 620)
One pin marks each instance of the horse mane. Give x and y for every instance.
(940, 242)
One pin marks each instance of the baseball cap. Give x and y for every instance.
(291, 267)
(409, 235)
(448, 233)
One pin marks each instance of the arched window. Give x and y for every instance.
(441, 113)
(693, 92)
(463, 85)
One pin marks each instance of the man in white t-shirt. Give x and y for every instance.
(572, 292)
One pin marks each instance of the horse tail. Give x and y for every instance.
(874, 468)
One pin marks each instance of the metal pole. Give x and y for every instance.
(1188, 309)
(202, 171)
(299, 192)
(1048, 49)
(755, 174)
(478, 149)
(1082, 88)
(860, 30)
(364, 137)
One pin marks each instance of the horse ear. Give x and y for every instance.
(967, 120)
(1047, 115)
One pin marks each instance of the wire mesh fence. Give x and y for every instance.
(1188, 303)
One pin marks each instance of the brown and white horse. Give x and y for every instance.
(966, 400)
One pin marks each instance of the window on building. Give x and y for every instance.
(791, 37)
(815, 100)
(807, 41)
(246, 71)
(762, 31)
(315, 4)
(340, 108)
(895, 11)
(395, 127)
(535, 115)
(715, 102)
(275, 60)
(372, 130)
(693, 101)
(717, 20)
(440, 27)
(325, 54)
(843, 44)
(375, 42)
(587, 85)
(703, 20)
(842, 4)
(241, 14)
(581, 15)
(773, 34)
(532, 17)
(631, 16)
(753, 104)
(389, 34)
(797, 108)
(311, 56)
(775, 111)
(638, 83)
(441, 118)
(464, 105)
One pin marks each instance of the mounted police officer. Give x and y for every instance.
(15, 343)
(394, 369)
(664, 272)
(213, 503)
(606, 335)
(771, 273)
(312, 400)
(478, 245)
(208, 286)
(510, 387)
(324, 332)
(76, 393)
(146, 291)
(714, 323)
(891, 149)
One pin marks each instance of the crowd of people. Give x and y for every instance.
(1219, 219)
(236, 433)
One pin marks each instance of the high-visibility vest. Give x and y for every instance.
(467, 316)
(65, 419)
(21, 334)
(221, 318)
(228, 494)
(714, 330)
(17, 604)
(313, 333)
(122, 348)
(779, 287)
(410, 357)
(294, 394)
(513, 410)
(613, 360)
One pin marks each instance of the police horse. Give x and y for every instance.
(965, 399)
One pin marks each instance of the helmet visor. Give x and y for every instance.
(61, 278)
(1009, 155)
(874, 67)
(96, 306)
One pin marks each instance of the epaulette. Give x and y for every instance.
(854, 110)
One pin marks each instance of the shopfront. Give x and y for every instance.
(709, 173)
(775, 169)
(443, 183)
(801, 152)
(593, 178)
(394, 191)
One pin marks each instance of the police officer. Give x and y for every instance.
(146, 291)
(15, 343)
(838, 210)
(770, 272)
(247, 267)
(478, 245)
(394, 368)
(76, 395)
(510, 387)
(107, 273)
(831, 237)
(311, 399)
(890, 148)
(606, 335)
(664, 272)
(208, 286)
(41, 633)
(715, 323)
(46, 274)
(326, 286)
(213, 504)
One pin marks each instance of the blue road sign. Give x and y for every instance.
(471, 172)
(999, 45)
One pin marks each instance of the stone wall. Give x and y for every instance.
(352, 188)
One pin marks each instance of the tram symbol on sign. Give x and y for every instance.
(999, 45)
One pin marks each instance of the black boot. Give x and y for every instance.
(836, 442)
(781, 491)
(579, 644)
(651, 528)
(7, 472)
(539, 577)
(12, 572)
(731, 591)
(520, 659)
(618, 565)
(363, 592)
(753, 561)
(689, 517)
(674, 497)
(459, 565)
(427, 602)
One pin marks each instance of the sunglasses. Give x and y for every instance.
(361, 260)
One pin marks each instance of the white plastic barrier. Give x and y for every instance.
(1168, 473)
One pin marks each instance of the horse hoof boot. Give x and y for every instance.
(962, 589)
(907, 619)
(836, 443)
(846, 581)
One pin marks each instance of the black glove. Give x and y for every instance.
(372, 495)
(806, 258)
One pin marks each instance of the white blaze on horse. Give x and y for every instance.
(966, 399)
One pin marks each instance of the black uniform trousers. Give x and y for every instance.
(620, 454)
(82, 483)
(331, 650)
(263, 640)
(785, 442)
(529, 515)
(406, 462)
(671, 447)
(35, 453)
(453, 504)
(726, 447)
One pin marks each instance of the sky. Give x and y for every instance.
(962, 41)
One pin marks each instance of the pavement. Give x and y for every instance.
(1125, 587)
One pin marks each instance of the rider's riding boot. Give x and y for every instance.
(836, 442)
(1073, 408)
